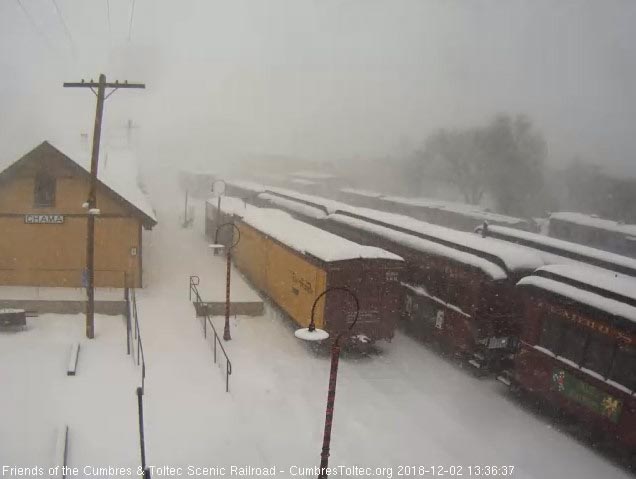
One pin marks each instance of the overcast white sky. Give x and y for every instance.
(324, 78)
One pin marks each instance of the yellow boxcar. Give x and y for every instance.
(293, 263)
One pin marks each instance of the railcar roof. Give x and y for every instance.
(462, 208)
(507, 256)
(567, 249)
(595, 222)
(301, 236)
(594, 299)
(407, 240)
(608, 283)
(361, 192)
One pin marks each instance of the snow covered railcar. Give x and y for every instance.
(578, 347)
(461, 216)
(558, 251)
(591, 230)
(293, 262)
(459, 287)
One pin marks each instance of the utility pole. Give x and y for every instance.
(101, 95)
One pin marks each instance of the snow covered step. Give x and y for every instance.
(61, 447)
(72, 360)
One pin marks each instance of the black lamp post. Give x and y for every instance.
(218, 202)
(311, 333)
(228, 249)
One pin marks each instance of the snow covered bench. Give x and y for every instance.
(10, 318)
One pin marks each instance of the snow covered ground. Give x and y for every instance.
(402, 405)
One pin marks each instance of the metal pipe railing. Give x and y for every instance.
(194, 282)
(133, 333)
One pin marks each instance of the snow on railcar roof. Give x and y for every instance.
(589, 298)
(463, 208)
(292, 205)
(491, 269)
(301, 236)
(514, 257)
(610, 281)
(595, 222)
(582, 251)
(362, 192)
(246, 185)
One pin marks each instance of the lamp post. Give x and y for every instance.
(228, 249)
(312, 333)
(218, 202)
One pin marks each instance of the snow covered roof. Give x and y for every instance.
(606, 291)
(301, 236)
(556, 250)
(359, 192)
(507, 256)
(246, 185)
(511, 257)
(313, 175)
(118, 172)
(465, 209)
(491, 269)
(304, 182)
(595, 222)
(602, 280)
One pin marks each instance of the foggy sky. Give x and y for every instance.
(322, 79)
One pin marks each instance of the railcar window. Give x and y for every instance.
(598, 354)
(573, 344)
(624, 367)
(551, 332)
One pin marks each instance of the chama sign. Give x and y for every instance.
(44, 219)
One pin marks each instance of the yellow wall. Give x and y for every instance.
(284, 275)
(54, 254)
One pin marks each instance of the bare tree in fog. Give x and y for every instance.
(515, 155)
(504, 160)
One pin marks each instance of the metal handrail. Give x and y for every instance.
(194, 281)
(133, 332)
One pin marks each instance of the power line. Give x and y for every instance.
(32, 22)
(66, 29)
(132, 14)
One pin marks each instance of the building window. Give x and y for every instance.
(44, 190)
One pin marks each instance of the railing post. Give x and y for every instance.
(142, 444)
(216, 338)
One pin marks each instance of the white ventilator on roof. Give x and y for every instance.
(595, 222)
(300, 236)
(556, 247)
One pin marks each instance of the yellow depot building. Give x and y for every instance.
(43, 223)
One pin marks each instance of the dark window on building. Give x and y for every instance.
(598, 354)
(551, 332)
(624, 367)
(573, 344)
(44, 191)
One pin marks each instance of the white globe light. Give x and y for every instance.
(315, 335)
